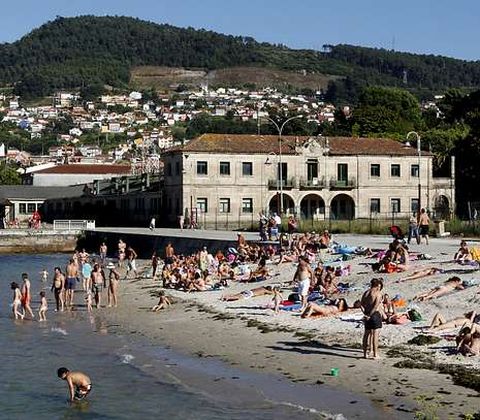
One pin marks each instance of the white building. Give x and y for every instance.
(219, 176)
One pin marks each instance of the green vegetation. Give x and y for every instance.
(94, 51)
(8, 174)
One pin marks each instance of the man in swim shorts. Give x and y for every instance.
(79, 384)
(71, 279)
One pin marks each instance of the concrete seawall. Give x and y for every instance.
(145, 241)
(41, 241)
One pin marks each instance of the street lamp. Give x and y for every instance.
(419, 152)
(280, 169)
(268, 162)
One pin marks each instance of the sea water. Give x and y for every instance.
(131, 379)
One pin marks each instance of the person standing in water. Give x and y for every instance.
(103, 253)
(26, 296)
(17, 301)
(58, 285)
(79, 384)
(72, 274)
(42, 310)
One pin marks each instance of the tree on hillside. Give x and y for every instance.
(385, 111)
(9, 175)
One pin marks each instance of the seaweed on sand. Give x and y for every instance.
(424, 340)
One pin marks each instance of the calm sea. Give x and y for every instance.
(131, 379)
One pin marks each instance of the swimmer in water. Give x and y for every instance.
(79, 384)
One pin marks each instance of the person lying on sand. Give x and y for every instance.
(425, 272)
(337, 306)
(163, 302)
(453, 283)
(247, 294)
(440, 323)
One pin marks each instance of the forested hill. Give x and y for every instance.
(80, 51)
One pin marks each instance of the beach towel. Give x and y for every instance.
(291, 308)
(475, 253)
(356, 317)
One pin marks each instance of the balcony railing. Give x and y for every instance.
(312, 184)
(274, 184)
(343, 184)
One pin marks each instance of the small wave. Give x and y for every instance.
(59, 330)
(126, 358)
(323, 414)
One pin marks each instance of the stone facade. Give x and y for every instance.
(322, 178)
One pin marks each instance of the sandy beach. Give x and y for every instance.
(248, 335)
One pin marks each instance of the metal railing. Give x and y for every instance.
(343, 184)
(69, 225)
(274, 184)
(312, 184)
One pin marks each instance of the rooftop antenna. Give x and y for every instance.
(393, 43)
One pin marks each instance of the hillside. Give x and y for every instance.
(162, 78)
(74, 52)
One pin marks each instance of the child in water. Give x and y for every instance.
(88, 300)
(42, 310)
(163, 302)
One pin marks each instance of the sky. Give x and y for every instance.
(440, 27)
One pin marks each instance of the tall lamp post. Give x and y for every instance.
(280, 169)
(268, 162)
(419, 152)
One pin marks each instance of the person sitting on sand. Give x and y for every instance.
(163, 302)
(463, 254)
(337, 306)
(248, 294)
(79, 384)
(440, 323)
(425, 272)
(453, 283)
(470, 344)
(260, 273)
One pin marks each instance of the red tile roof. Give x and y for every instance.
(254, 144)
(88, 169)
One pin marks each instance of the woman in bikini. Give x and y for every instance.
(337, 306)
(112, 292)
(17, 301)
(439, 322)
(248, 294)
(453, 283)
(429, 271)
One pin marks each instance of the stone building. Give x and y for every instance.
(220, 177)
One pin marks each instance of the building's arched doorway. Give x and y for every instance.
(442, 207)
(288, 204)
(312, 206)
(342, 207)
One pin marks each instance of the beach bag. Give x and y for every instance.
(294, 297)
(414, 315)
